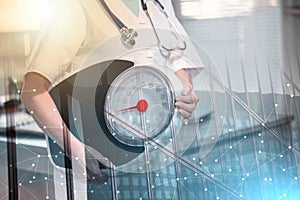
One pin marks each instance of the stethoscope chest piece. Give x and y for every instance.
(128, 37)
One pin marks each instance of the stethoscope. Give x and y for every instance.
(128, 35)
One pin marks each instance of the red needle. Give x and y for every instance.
(141, 106)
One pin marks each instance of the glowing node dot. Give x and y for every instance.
(283, 169)
(31, 112)
(270, 179)
(212, 175)
(259, 135)
(218, 198)
(196, 174)
(20, 184)
(54, 109)
(33, 177)
(281, 156)
(259, 151)
(290, 147)
(38, 155)
(157, 175)
(185, 178)
(32, 164)
(230, 130)
(262, 141)
(46, 178)
(276, 105)
(200, 163)
(47, 197)
(247, 174)
(170, 140)
(243, 179)
(230, 147)
(296, 177)
(201, 120)
(230, 170)
(141, 168)
(30, 181)
(292, 95)
(44, 127)
(212, 138)
(216, 160)
(263, 124)
(61, 176)
(194, 158)
(152, 186)
(205, 189)
(177, 179)
(33, 90)
(118, 192)
(241, 195)
(245, 137)
(288, 85)
(92, 191)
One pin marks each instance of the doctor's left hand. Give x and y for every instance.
(187, 101)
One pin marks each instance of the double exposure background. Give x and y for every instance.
(251, 149)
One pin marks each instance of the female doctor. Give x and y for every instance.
(71, 30)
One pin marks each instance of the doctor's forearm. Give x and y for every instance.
(39, 103)
(184, 77)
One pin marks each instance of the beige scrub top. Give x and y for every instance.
(71, 30)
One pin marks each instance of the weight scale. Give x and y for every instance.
(127, 106)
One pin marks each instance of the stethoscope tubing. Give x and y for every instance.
(129, 34)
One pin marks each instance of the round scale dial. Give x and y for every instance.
(139, 105)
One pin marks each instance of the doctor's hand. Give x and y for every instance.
(91, 166)
(187, 101)
(95, 163)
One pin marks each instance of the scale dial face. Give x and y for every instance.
(139, 105)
